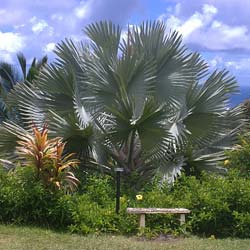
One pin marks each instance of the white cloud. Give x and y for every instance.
(38, 25)
(41, 25)
(49, 47)
(19, 26)
(11, 42)
(173, 23)
(204, 29)
(177, 9)
(215, 62)
(193, 23)
(6, 57)
(57, 17)
(209, 9)
(197, 20)
(242, 64)
(231, 12)
(82, 11)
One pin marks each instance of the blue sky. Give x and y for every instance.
(218, 29)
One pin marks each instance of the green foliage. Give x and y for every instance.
(219, 205)
(25, 200)
(100, 189)
(239, 158)
(242, 224)
(94, 211)
(10, 76)
(246, 109)
(213, 201)
(91, 217)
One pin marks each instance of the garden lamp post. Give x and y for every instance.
(118, 188)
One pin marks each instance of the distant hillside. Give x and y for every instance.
(244, 94)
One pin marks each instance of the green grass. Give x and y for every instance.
(24, 238)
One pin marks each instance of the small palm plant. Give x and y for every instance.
(46, 157)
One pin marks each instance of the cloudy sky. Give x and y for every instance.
(218, 29)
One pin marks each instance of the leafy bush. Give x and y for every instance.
(90, 217)
(214, 201)
(25, 200)
(219, 205)
(100, 189)
(94, 211)
(246, 109)
(240, 157)
(242, 224)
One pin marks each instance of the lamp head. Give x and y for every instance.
(118, 169)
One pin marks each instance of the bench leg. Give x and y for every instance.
(182, 219)
(142, 220)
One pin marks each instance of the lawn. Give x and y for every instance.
(24, 238)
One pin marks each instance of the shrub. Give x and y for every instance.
(219, 205)
(214, 202)
(89, 217)
(46, 157)
(100, 189)
(240, 157)
(94, 211)
(25, 200)
(242, 224)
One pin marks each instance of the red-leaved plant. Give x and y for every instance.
(46, 157)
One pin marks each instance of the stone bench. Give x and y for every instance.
(143, 211)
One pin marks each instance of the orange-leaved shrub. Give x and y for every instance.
(47, 157)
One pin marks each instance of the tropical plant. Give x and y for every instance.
(10, 75)
(246, 107)
(239, 158)
(46, 157)
(140, 103)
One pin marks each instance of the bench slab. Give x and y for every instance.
(142, 211)
(158, 210)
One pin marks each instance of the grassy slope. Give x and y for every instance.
(23, 238)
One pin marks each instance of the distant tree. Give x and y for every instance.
(246, 108)
(11, 74)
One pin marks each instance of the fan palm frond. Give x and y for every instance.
(144, 103)
(22, 62)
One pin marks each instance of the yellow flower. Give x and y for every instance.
(226, 162)
(244, 142)
(212, 237)
(122, 199)
(139, 197)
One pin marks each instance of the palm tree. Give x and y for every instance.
(10, 75)
(139, 103)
